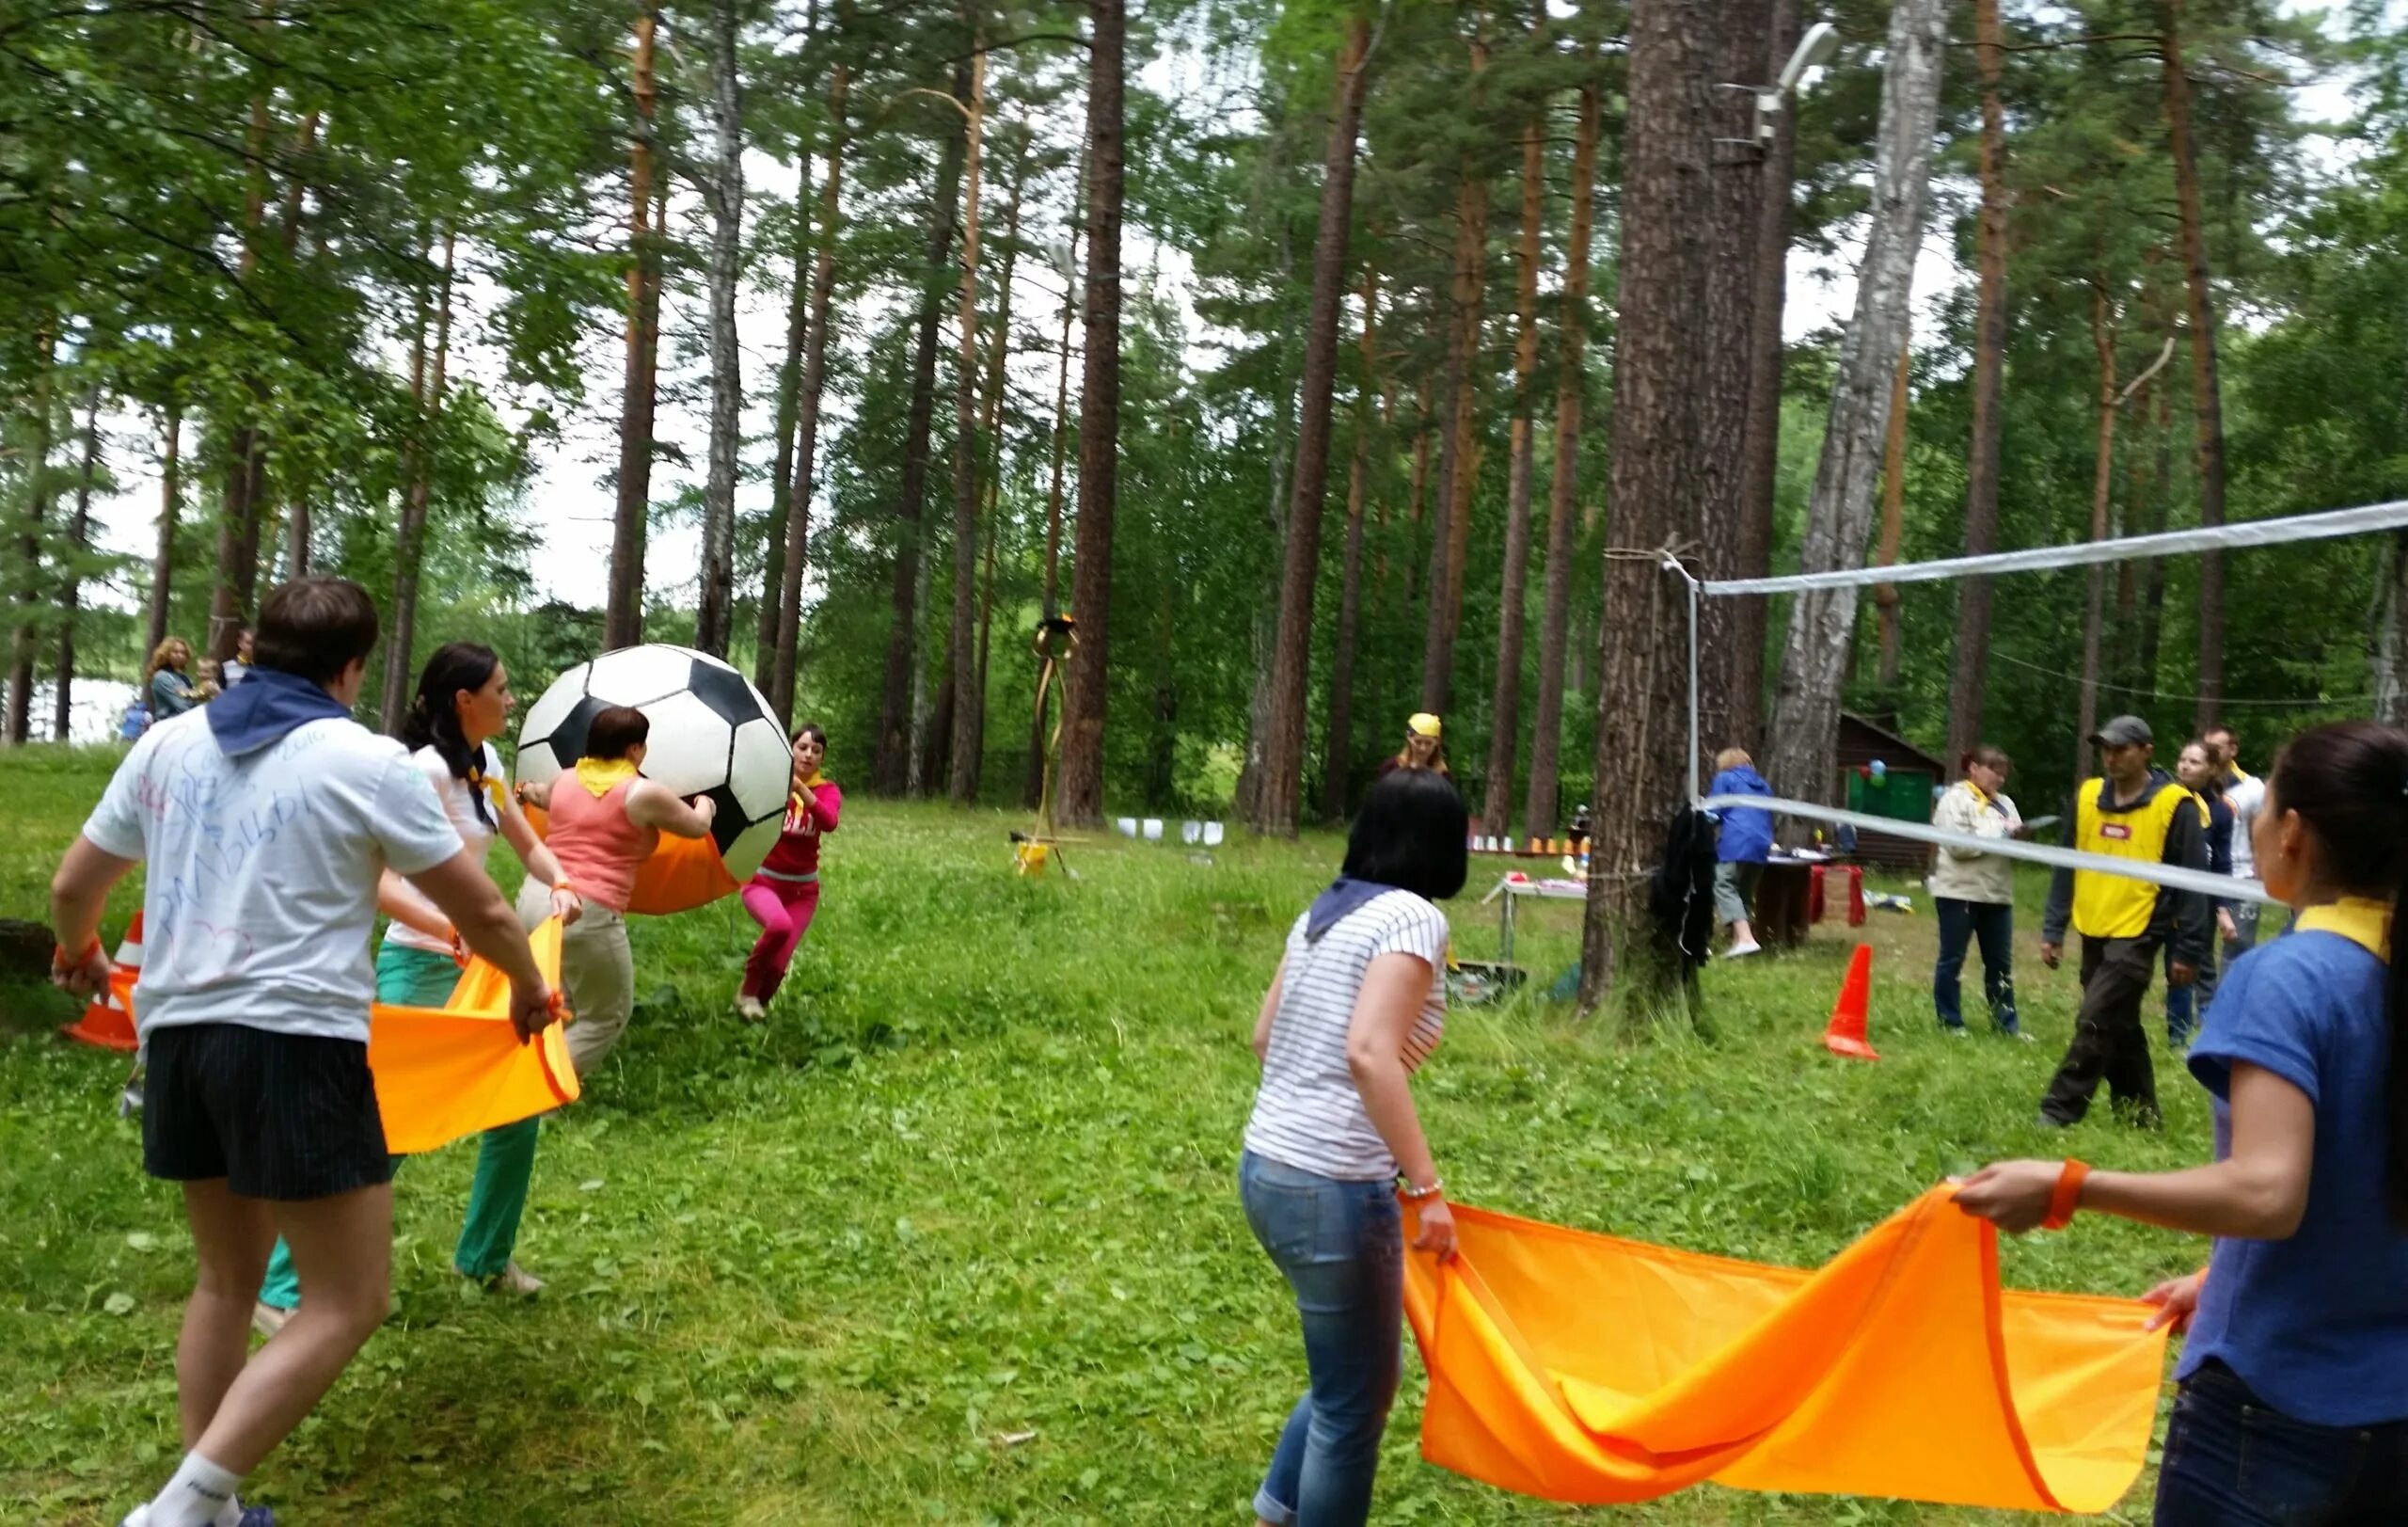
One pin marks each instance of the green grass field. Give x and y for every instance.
(956, 1236)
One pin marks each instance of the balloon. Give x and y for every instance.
(1880, 772)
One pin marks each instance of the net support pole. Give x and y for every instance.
(1695, 794)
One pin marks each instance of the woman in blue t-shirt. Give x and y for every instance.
(2294, 1402)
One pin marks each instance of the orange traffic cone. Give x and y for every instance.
(108, 1022)
(1846, 1035)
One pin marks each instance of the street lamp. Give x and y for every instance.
(1815, 48)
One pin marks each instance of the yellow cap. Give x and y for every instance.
(1423, 724)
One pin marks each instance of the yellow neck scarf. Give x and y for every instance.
(600, 776)
(1976, 790)
(2362, 920)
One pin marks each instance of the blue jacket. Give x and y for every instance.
(1747, 832)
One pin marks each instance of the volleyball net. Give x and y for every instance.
(2327, 526)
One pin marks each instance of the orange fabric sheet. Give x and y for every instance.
(682, 874)
(446, 1072)
(1577, 1367)
(459, 1070)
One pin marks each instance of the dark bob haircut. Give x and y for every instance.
(1410, 833)
(314, 628)
(614, 730)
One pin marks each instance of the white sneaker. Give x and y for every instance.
(1737, 950)
(513, 1280)
(749, 1009)
(267, 1319)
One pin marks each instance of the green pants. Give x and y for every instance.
(505, 1156)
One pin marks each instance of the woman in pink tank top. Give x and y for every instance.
(606, 820)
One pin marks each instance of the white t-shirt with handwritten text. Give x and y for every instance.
(260, 893)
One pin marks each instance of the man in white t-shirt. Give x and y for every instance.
(2246, 794)
(267, 819)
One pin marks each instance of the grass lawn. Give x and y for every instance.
(955, 1237)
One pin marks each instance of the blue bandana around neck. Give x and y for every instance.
(269, 703)
(1344, 895)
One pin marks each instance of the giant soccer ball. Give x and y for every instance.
(712, 733)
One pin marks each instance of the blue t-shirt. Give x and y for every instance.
(2317, 1324)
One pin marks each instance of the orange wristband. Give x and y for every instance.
(61, 961)
(2068, 1196)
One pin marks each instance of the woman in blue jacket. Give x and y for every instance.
(1741, 848)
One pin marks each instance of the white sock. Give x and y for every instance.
(195, 1497)
(230, 1514)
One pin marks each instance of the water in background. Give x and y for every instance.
(95, 705)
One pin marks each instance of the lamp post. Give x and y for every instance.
(1813, 50)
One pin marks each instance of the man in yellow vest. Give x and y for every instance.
(2136, 812)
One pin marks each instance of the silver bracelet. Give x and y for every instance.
(1408, 1190)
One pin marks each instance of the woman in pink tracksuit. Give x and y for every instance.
(784, 891)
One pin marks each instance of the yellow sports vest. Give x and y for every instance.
(2112, 906)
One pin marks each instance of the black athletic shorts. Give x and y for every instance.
(279, 1116)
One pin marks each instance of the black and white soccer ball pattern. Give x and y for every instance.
(712, 733)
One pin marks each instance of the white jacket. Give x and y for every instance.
(1968, 874)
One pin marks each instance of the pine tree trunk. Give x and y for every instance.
(902, 719)
(1277, 800)
(2391, 637)
(1541, 805)
(2152, 614)
(2102, 342)
(623, 616)
(299, 533)
(238, 535)
(1762, 450)
(1033, 789)
(1894, 514)
(1652, 485)
(814, 374)
(774, 540)
(26, 638)
(961, 775)
(1726, 373)
(1264, 624)
(2207, 388)
(1458, 463)
(765, 631)
(77, 546)
(1082, 707)
(990, 430)
(1417, 494)
(1339, 756)
(409, 543)
(1967, 693)
(1505, 696)
(724, 192)
(162, 561)
(1822, 622)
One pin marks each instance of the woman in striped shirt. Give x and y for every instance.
(1357, 1006)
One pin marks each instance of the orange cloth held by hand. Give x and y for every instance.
(682, 874)
(1581, 1368)
(446, 1072)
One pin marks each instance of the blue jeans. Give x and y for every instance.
(1341, 1247)
(1960, 923)
(2233, 1461)
(2181, 1002)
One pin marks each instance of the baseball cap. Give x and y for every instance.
(2123, 730)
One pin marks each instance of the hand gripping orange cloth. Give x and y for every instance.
(458, 1070)
(1577, 1367)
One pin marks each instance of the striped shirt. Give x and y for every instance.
(1309, 1114)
